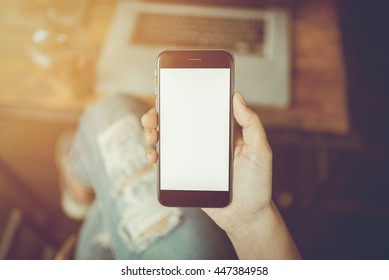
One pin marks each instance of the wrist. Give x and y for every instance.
(254, 222)
(265, 237)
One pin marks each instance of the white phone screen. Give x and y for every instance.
(194, 129)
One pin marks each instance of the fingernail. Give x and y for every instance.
(145, 116)
(241, 98)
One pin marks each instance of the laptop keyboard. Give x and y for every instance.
(244, 36)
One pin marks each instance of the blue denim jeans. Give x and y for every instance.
(101, 130)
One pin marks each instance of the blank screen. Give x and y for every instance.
(194, 129)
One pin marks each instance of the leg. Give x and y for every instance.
(109, 152)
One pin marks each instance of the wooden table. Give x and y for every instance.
(319, 102)
(24, 92)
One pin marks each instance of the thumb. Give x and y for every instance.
(252, 129)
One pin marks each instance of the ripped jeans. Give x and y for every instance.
(126, 220)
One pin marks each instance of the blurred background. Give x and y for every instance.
(330, 144)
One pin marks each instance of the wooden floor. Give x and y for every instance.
(31, 221)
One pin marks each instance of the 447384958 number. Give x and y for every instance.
(234, 270)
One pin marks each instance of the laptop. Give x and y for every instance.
(256, 32)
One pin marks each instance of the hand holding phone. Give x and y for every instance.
(251, 220)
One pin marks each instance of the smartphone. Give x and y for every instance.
(194, 101)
